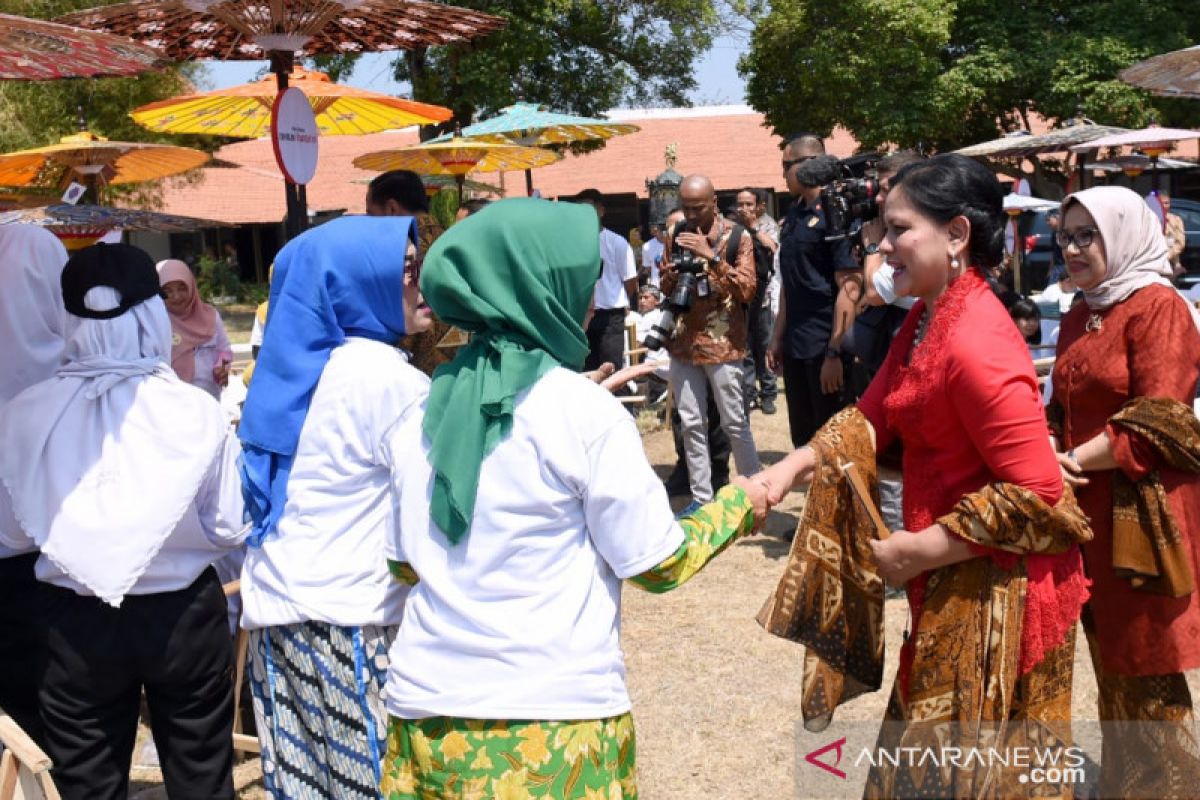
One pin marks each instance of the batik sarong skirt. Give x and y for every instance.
(449, 758)
(318, 703)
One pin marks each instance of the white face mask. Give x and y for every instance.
(885, 284)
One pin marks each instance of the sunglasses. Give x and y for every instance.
(412, 268)
(1081, 238)
(789, 163)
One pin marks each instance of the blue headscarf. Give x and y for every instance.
(344, 278)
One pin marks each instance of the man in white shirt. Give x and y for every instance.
(617, 285)
(652, 254)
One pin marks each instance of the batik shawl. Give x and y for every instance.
(1148, 547)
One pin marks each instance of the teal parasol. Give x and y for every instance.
(532, 125)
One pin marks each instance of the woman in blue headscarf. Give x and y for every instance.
(318, 603)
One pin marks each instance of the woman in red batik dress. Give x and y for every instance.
(1124, 381)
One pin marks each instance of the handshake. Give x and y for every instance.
(767, 488)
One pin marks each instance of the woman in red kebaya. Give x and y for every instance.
(1124, 381)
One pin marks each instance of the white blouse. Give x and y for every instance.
(325, 561)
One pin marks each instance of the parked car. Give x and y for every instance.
(1039, 245)
(1189, 212)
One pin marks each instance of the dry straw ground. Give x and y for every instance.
(715, 699)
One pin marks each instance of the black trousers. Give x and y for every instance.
(97, 661)
(718, 444)
(758, 381)
(606, 338)
(808, 407)
(20, 642)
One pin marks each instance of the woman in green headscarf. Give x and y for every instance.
(525, 498)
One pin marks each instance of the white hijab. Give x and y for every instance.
(102, 460)
(1133, 242)
(32, 317)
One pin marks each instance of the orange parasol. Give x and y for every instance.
(245, 111)
(94, 160)
(457, 157)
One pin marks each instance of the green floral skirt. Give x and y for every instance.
(471, 759)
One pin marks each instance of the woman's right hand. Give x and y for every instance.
(1072, 473)
(796, 467)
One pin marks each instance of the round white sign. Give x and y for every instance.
(294, 135)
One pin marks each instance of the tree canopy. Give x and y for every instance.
(39, 112)
(575, 57)
(943, 74)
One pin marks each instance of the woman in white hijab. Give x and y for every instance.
(114, 469)
(1126, 370)
(32, 319)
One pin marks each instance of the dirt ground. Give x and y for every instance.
(715, 699)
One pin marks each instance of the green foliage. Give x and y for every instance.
(576, 56)
(254, 293)
(217, 279)
(444, 205)
(944, 74)
(38, 113)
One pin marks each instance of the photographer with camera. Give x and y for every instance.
(705, 322)
(820, 293)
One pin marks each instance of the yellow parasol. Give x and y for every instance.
(245, 111)
(94, 160)
(457, 157)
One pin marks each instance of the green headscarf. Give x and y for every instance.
(519, 275)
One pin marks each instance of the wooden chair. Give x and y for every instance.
(636, 353)
(24, 767)
(241, 741)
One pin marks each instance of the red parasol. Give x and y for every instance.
(36, 50)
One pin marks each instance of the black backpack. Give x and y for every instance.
(764, 259)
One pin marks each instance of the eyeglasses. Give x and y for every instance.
(1081, 238)
(789, 163)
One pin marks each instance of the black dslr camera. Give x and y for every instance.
(850, 200)
(690, 268)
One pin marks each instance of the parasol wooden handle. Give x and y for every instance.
(864, 496)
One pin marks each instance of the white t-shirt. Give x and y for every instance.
(652, 252)
(617, 256)
(325, 562)
(520, 619)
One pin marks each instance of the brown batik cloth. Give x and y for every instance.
(425, 353)
(1150, 749)
(965, 668)
(1148, 547)
(830, 597)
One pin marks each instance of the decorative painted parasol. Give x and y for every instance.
(81, 225)
(1023, 144)
(95, 161)
(1134, 164)
(232, 30)
(245, 111)
(1153, 141)
(1174, 74)
(535, 126)
(36, 50)
(251, 30)
(457, 157)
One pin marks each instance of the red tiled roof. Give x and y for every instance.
(729, 145)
